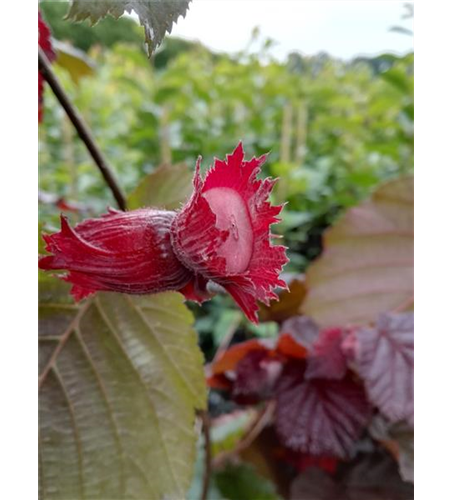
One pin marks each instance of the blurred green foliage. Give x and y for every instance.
(334, 131)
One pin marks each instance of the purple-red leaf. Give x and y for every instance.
(256, 375)
(385, 361)
(326, 359)
(229, 359)
(302, 329)
(320, 417)
(289, 347)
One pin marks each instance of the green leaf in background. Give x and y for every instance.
(167, 187)
(348, 147)
(266, 330)
(156, 16)
(241, 482)
(226, 325)
(75, 61)
(399, 80)
(120, 379)
(227, 430)
(225, 433)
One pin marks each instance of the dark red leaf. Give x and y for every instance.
(319, 417)
(290, 348)
(350, 345)
(326, 358)
(303, 461)
(302, 329)
(219, 382)
(228, 361)
(256, 375)
(385, 361)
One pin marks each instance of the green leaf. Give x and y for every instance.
(242, 482)
(156, 16)
(367, 265)
(227, 430)
(266, 330)
(120, 379)
(167, 187)
(226, 325)
(399, 80)
(75, 61)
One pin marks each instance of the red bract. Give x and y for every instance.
(223, 232)
(46, 45)
(128, 252)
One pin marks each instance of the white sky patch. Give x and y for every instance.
(343, 28)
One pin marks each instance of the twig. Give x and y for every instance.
(204, 416)
(81, 127)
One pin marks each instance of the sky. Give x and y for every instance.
(343, 28)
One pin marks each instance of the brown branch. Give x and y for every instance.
(82, 129)
(204, 416)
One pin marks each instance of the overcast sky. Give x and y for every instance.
(343, 28)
